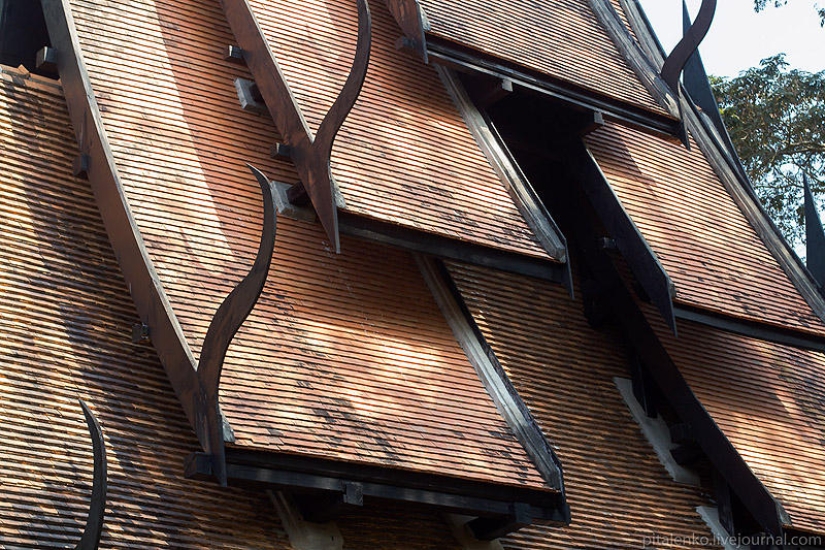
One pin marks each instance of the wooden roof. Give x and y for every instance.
(712, 253)
(65, 324)
(344, 358)
(618, 491)
(404, 154)
(767, 399)
(560, 40)
(348, 357)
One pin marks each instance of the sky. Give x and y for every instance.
(740, 38)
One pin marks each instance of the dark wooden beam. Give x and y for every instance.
(629, 240)
(759, 331)
(484, 528)
(152, 304)
(443, 247)
(644, 341)
(310, 152)
(466, 60)
(328, 506)
(356, 482)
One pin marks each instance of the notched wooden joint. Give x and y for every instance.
(80, 166)
(47, 59)
(140, 334)
(234, 54)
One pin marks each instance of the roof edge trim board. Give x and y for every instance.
(507, 400)
(641, 64)
(137, 268)
(443, 53)
(641, 258)
(732, 175)
(310, 153)
(745, 197)
(641, 336)
(523, 194)
(285, 471)
(752, 329)
(412, 19)
(445, 247)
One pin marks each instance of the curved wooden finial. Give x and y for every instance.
(345, 101)
(97, 509)
(229, 317)
(677, 59)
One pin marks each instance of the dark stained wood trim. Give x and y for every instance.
(641, 258)
(465, 60)
(451, 494)
(141, 277)
(643, 340)
(760, 331)
(444, 247)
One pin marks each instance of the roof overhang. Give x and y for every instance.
(498, 510)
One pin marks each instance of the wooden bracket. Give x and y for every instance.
(234, 54)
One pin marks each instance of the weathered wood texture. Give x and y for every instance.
(65, 315)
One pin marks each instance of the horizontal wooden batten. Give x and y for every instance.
(444, 247)
(761, 331)
(464, 60)
(456, 495)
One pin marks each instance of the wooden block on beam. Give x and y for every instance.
(47, 59)
(297, 195)
(249, 96)
(80, 166)
(234, 54)
(281, 151)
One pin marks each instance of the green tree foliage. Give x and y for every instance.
(776, 120)
(759, 5)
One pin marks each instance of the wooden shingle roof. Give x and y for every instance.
(768, 400)
(712, 253)
(345, 358)
(562, 40)
(618, 491)
(65, 333)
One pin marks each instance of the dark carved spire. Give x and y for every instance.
(815, 236)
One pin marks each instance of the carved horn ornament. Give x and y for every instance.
(680, 55)
(311, 154)
(97, 509)
(229, 317)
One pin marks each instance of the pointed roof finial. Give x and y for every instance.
(814, 234)
(686, 47)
